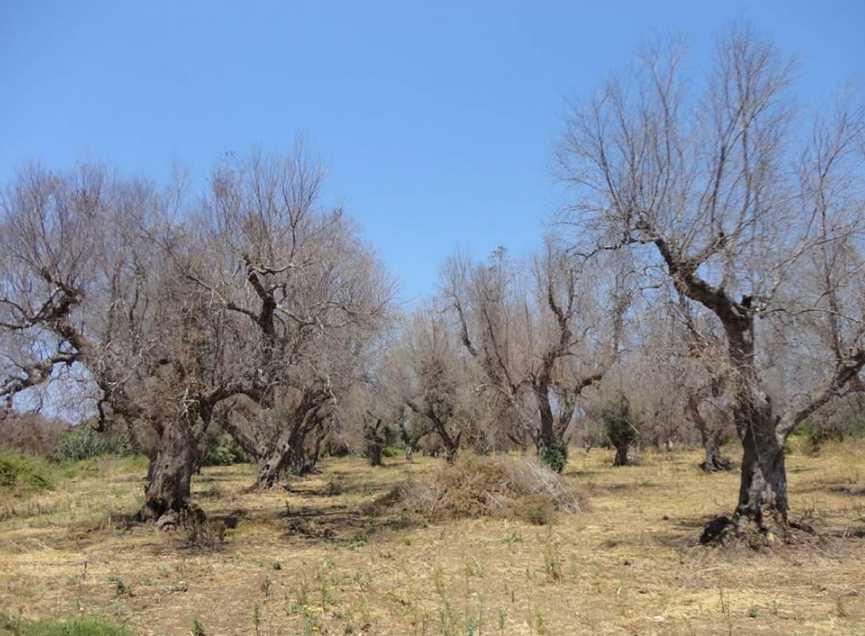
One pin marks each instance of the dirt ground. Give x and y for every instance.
(310, 561)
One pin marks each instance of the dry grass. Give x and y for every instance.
(485, 486)
(310, 561)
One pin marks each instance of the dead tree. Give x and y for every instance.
(87, 277)
(712, 190)
(310, 296)
(425, 371)
(539, 347)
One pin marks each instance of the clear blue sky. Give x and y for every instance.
(436, 119)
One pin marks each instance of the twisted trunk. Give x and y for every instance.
(763, 487)
(169, 475)
(288, 450)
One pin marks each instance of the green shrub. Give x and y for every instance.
(620, 425)
(222, 450)
(554, 455)
(83, 443)
(87, 626)
(23, 475)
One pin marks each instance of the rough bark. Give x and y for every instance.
(622, 457)
(763, 488)
(287, 452)
(169, 475)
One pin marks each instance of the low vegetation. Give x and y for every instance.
(23, 474)
(487, 486)
(314, 559)
(88, 626)
(702, 283)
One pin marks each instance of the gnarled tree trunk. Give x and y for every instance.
(169, 475)
(622, 457)
(763, 488)
(762, 504)
(283, 453)
(714, 460)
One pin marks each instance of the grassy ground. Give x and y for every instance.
(310, 561)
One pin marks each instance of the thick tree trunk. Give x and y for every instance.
(546, 434)
(271, 466)
(763, 487)
(451, 450)
(374, 454)
(622, 458)
(169, 475)
(714, 460)
(288, 451)
(300, 462)
(451, 444)
(762, 509)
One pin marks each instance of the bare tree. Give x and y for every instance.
(312, 297)
(432, 380)
(716, 188)
(542, 345)
(706, 387)
(86, 283)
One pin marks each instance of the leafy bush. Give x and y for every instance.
(23, 475)
(554, 455)
(83, 442)
(222, 450)
(486, 486)
(87, 626)
(620, 426)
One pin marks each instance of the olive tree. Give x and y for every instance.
(310, 293)
(88, 284)
(738, 202)
(540, 342)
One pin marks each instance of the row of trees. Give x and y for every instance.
(708, 278)
(251, 308)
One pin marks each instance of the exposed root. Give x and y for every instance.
(757, 534)
(176, 519)
(717, 464)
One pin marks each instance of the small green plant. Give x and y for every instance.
(120, 587)
(22, 475)
(555, 455)
(197, 628)
(513, 537)
(256, 619)
(620, 427)
(222, 450)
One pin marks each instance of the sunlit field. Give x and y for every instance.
(315, 559)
